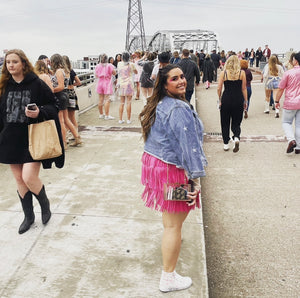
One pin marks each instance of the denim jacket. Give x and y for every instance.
(176, 137)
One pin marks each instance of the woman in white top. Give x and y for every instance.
(126, 71)
(271, 75)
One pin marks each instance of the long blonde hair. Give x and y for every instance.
(273, 66)
(232, 66)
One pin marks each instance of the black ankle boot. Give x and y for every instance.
(45, 205)
(28, 212)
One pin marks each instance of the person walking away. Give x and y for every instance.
(201, 61)
(20, 86)
(271, 75)
(191, 73)
(114, 96)
(171, 155)
(41, 70)
(290, 83)
(249, 77)
(60, 81)
(137, 77)
(193, 57)
(104, 72)
(126, 70)
(216, 59)
(163, 59)
(208, 71)
(233, 101)
(147, 62)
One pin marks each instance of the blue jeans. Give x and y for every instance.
(271, 99)
(288, 117)
(249, 92)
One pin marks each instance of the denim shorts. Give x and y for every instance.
(272, 83)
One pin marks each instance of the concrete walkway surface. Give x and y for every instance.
(251, 203)
(101, 241)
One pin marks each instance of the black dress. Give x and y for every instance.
(145, 79)
(232, 108)
(208, 70)
(14, 123)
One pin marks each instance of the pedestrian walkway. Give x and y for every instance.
(251, 202)
(102, 242)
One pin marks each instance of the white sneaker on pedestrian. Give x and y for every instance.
(101, 116)
(121, 121)
(226, 147)
(109, 117)
(236, 147)
(128, 121)
(267, 108)
(171, 281)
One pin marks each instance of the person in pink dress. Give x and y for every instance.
(104, 72)
(126, 71)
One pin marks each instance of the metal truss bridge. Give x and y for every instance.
(171, 40)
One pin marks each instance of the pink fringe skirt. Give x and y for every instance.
(154, 174)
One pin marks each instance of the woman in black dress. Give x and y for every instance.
(233, 101)
(208, 71)
(147, 61)
(20, 86)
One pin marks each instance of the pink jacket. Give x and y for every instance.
(291, 83)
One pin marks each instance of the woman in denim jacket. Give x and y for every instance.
(173, 153)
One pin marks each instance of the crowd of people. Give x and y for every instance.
(171, 129)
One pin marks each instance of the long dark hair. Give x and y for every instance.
(5, 76)
(147, 116)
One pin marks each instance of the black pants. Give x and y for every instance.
(257, 62)
(231, 115)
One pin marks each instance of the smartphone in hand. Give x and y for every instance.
(32, 106)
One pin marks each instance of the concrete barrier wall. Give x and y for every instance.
(87, 97)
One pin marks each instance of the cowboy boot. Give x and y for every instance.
(28, 212)
(45, 205)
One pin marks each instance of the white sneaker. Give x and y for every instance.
(226, 147)
(121, 121)
(173, 282)
(101, 116)
(109, 117)
(128, 121)
(236, 147)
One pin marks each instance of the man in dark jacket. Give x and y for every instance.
(258, 55)
(190, 70)
(216, 60)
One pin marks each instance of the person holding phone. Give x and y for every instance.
(25, 99)
(173, 153)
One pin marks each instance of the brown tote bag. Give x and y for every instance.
(43, 140)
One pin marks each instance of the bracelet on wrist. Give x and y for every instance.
(276, 101)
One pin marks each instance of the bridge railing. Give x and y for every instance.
(86, 78)
(86, 93)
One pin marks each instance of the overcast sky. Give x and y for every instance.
(80, 28)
